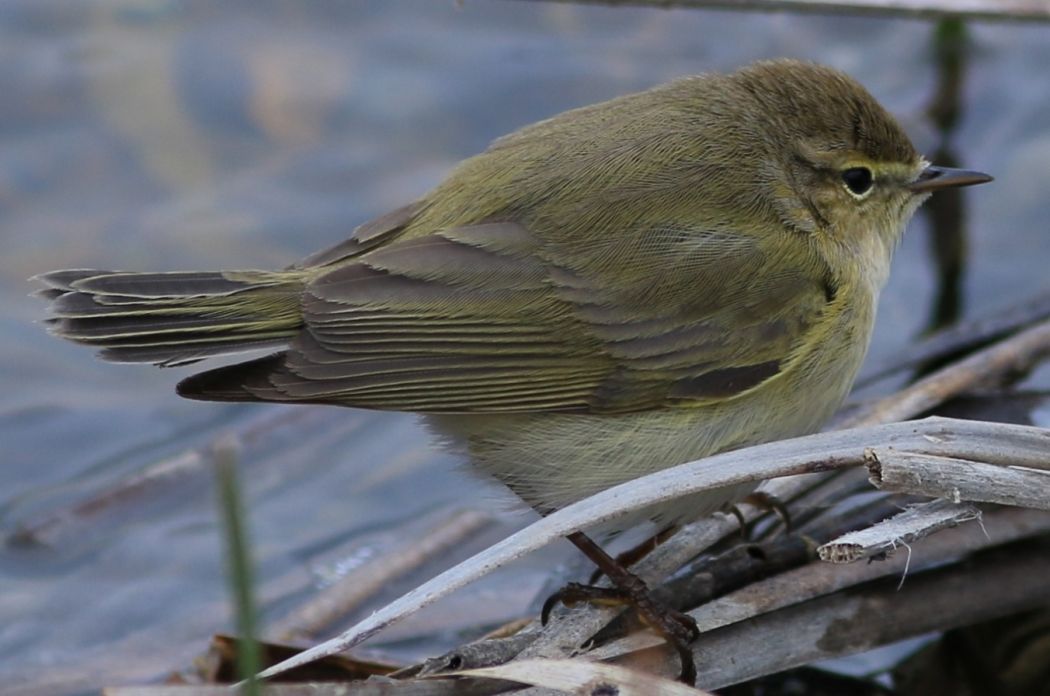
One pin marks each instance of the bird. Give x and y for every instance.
(614, 290)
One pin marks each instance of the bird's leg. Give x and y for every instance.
(639, 551)
(677, 628)
(764, 501)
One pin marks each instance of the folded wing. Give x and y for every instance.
(489, 318)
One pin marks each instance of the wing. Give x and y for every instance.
(489, 318)
(364, 237)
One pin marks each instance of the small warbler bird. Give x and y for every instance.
(615, 290)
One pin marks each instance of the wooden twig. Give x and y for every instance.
(884, 537)
(959, 479)
(1016, 354)
(587, 678)
(1001, 526)
(482, 653)
(865, 618)
(1019, 352)
(582, 623)
(1030, 10)
(754, 615)
(963, 336)
(993, 443)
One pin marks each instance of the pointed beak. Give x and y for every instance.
(933, 178)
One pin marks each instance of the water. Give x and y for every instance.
(172, 135)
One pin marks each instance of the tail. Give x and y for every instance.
(173, 318)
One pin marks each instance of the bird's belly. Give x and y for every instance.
(552, 460)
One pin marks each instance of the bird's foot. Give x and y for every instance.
(677, 628)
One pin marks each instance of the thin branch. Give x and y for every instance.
(1018, 353)
(586, 678)
(959, 479)
(695, 583)
(884, 537)
(990, 442)
(960, 337)
(872, 615)
(810, 591)
(1015, 354)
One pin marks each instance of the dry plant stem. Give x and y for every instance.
(578, 625)
(1018, 353)
(759, 604)
(587, 678)
(482, 653)
(884, 537)
(868, 617)
(376, 687)
(1015, 354)
(994, 443)
(961, 337)
(359, 586)
(201, 690)
(1031, 10)
(708, 578)
(958, 479)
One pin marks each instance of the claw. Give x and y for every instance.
(677, 628)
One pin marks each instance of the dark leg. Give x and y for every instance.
(763, 501)
(678, 629)
(636, 553)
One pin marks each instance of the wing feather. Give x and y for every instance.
(483, 318)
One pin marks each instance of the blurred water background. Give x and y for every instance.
(171, 135)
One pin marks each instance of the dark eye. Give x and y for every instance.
(858, 180)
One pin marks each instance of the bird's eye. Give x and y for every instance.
(858, 180)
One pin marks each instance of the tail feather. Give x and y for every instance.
(157, 285)
(173, 318)
(173, 356)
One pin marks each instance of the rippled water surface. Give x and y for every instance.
(174, 135)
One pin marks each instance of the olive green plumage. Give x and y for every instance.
(614, 290)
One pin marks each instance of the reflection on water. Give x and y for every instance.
(946, 213)
(158, 134)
